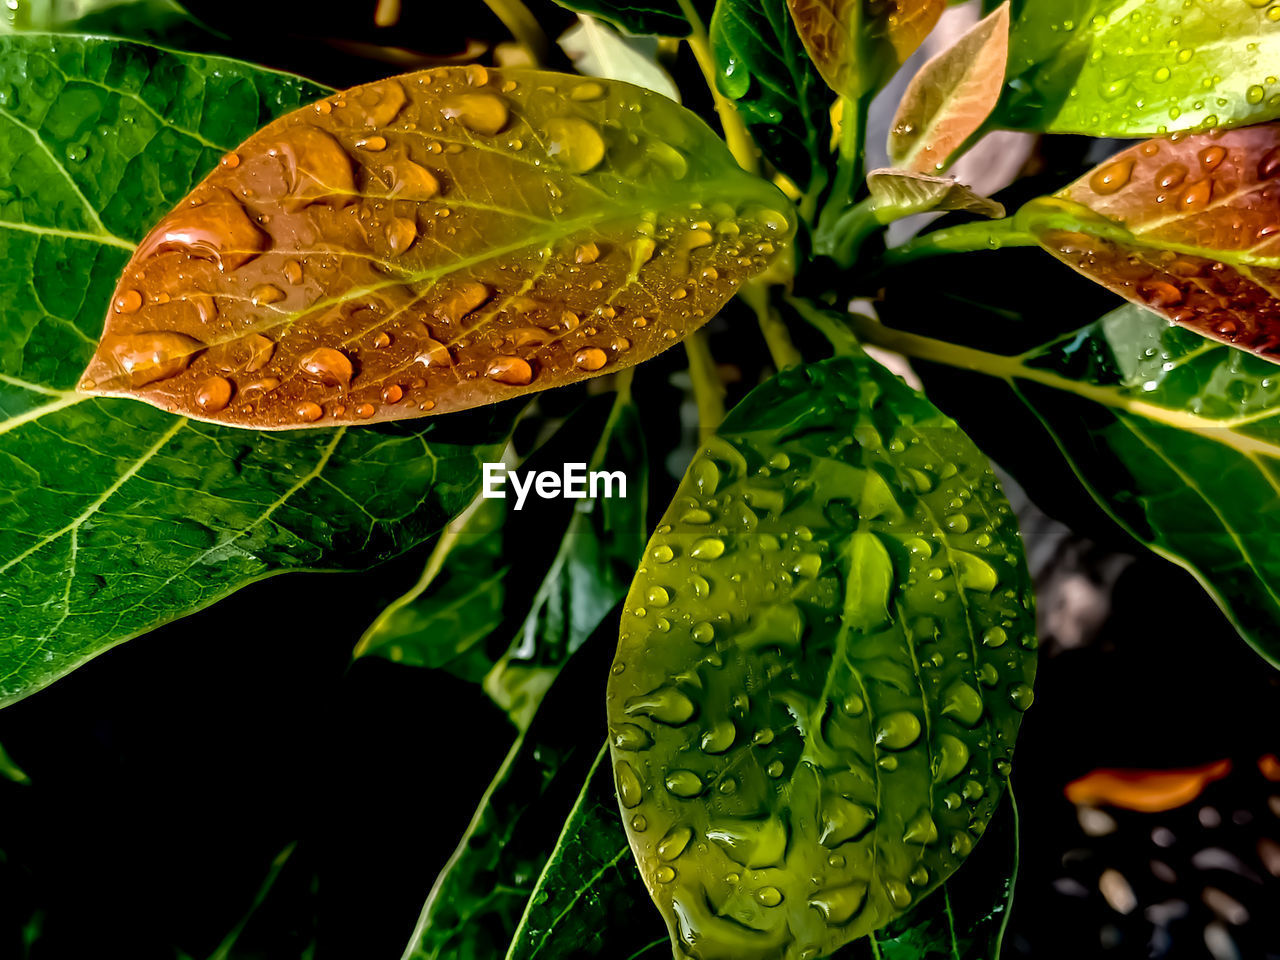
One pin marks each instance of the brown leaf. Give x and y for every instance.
(858, 44)
(433, 242)
(903, 192)
(1188, 227)
(951, 96)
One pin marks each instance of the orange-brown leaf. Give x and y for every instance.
(1188, 227)
(433, 242)
(858, 44)
(951, 96)
(903, 192)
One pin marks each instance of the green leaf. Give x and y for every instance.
(666, 18)
(118, 517)
(1111, 68)
(469, 612)
(1177, 438)
(900, 193)
(434, 242)
(477, 901)
(780, 96)
(585, 901)
(822, 667)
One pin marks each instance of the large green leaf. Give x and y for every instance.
(1176, 437)
(118, 517)
(507, 603)
(822, 667)
(1121, 69)
(785, 103)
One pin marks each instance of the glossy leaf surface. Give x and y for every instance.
(1178, 439)
(1118, 69)
(779, 94)
(951, 96)
(116, 517)
(1186, 227)
(433, 242)
(599, 50)
(505, 602)
(858, 44)
(899, 193)
(822, 667)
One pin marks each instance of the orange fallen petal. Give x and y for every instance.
(1270, 767)
(1148, 791)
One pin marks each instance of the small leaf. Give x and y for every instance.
(434, 242)
(1185, 227)
(858, 44)
(1113, 68)
(779, 94)
(598, 50)
(900, 193)
(118, 518)
(951, 96)
(822, 668)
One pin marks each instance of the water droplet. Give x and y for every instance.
(510, 370)
(317, 166)
(664, 874)
(308, 411)
(401, 232)
(683, 783)
(666, 705)
(703, 633)
(265, 293)
(842, 820)
(1021, 696)
(962, 702)
(1198, 194)
(1113, 177)
(720, 737)
(327, 366)
(658, 596)
(129, 301)
(673, 844)
(215, 227)
(921, 829)
(755, 844)
(392, 393)
(639, 824)
(413, 181)
(950, 758)
(374, 144)
(630, 793)
(213, 394)
(148, 357)
(574, 143)
(899, 894)
(631, 736)
(838, 905)
(463, 300)
(1211, 157)
(898, 730)
(587, 91)
(483, 113)
(708, 548)
(1269, 165)
(1170, 176)
(586, 253)
(293, 272)
(590, 358)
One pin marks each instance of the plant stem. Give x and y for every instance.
(962, 238)
(1013, 881)
(523, 26)
(736, 136)
(772, 326)
(708, 390)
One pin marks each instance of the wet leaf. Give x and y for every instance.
(589, 899)
(900, 193)
(951, 96)
(480, 897)
(506, 602)
(858, 44)
(1185, 227)
(442, 240)
(118, 518)
(598, 50)
(1113, 68)
(822, 667)
(779, 93)
(1176, 438)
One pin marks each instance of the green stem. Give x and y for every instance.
(772, 326)
(523, 26)
(736, 136)
(708, 390)
(962, 238)
(1013, 880)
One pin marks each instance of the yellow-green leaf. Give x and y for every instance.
(432, 242)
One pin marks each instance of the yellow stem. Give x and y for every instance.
(772, 326)
(708, 390)
(736, 136)
(524, 27)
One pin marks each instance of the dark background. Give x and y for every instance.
(166, 776)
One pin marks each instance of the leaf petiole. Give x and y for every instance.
(739, 141)
(962, 238)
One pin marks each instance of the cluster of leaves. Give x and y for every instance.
(827, 644)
